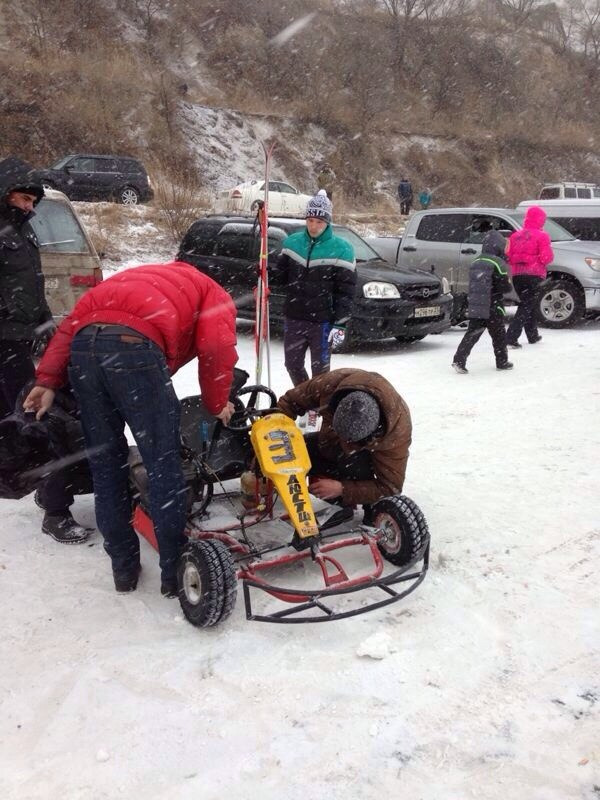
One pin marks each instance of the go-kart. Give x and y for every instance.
(268, 447)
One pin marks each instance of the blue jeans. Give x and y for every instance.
(124, 380)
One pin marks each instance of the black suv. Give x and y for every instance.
(91, 177)
(405, 304)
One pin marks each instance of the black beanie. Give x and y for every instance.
(356, 417)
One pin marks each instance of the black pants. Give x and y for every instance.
(495, 327)
(527, 287)
(405, 207)
(16, 369)
(300, 336)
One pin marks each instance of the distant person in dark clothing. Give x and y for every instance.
(488, 281)
(405, 196)
(24, 318)
(529, 253)
(326, 179)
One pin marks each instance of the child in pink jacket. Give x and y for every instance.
(529, 252)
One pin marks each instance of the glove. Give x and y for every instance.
(336, 336)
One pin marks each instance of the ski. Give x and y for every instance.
(262, 341)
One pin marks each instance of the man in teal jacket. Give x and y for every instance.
(318, 270)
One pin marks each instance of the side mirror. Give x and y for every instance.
(68, 169)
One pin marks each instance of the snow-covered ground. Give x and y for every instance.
(488, 684)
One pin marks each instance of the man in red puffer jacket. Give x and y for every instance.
(529, 252)
(119, 347)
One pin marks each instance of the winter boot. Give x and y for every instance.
(537, 339)
(514, 345)
(127, 580)
(460, 368)
(169, 588)
(506, 365)
(63, 528)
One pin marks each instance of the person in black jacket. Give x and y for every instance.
(24, 318)
(405, 196)
(488, 281)
(318, 270)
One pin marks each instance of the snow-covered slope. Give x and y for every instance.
(482, 684)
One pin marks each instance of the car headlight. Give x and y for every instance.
(594, 263)
(377, 290)
(445, 286)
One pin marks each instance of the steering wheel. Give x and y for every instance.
(242, 418)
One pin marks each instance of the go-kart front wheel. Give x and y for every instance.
(207, 583)
(405, 532)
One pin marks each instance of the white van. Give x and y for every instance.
(580, 217)
(569, 191)
(70, 262)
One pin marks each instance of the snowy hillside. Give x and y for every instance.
(482, 684)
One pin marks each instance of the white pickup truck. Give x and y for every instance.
(445, 241)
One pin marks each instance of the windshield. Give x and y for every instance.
(556, 232)
(60, 164)
(362, 251)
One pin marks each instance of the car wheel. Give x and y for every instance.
(404, 527)
(207, 583)
(561, 303)
(129, 196)
(255, 206)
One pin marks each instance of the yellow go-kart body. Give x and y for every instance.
(283, 459)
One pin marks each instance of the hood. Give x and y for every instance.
(494, 244)
(534, 218)
(16, 174)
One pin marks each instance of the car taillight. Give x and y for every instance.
(236, 195)
(92, 279)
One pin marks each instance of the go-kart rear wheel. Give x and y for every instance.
(207, 583)
(405, 531)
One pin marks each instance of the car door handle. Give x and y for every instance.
(410, 249)
(469, 251)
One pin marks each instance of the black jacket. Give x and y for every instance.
(488, 278)
(23, 303)
(405, 191)
(319, 276)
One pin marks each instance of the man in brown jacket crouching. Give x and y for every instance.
(360, 453)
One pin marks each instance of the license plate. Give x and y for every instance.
(427, 311)
(51, 283)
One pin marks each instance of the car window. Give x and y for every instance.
(551, 193)
(285, 187)
(83, 165)
(443, 228)
(106, 165)
(586, 228)
(586, 194)
(274, 186)
(61, 162)
(483, 223)
(555, 231)
(201, 238)
(132, 166)
(233, 244)
(570, 191)
(57, 228)
(362, 250)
